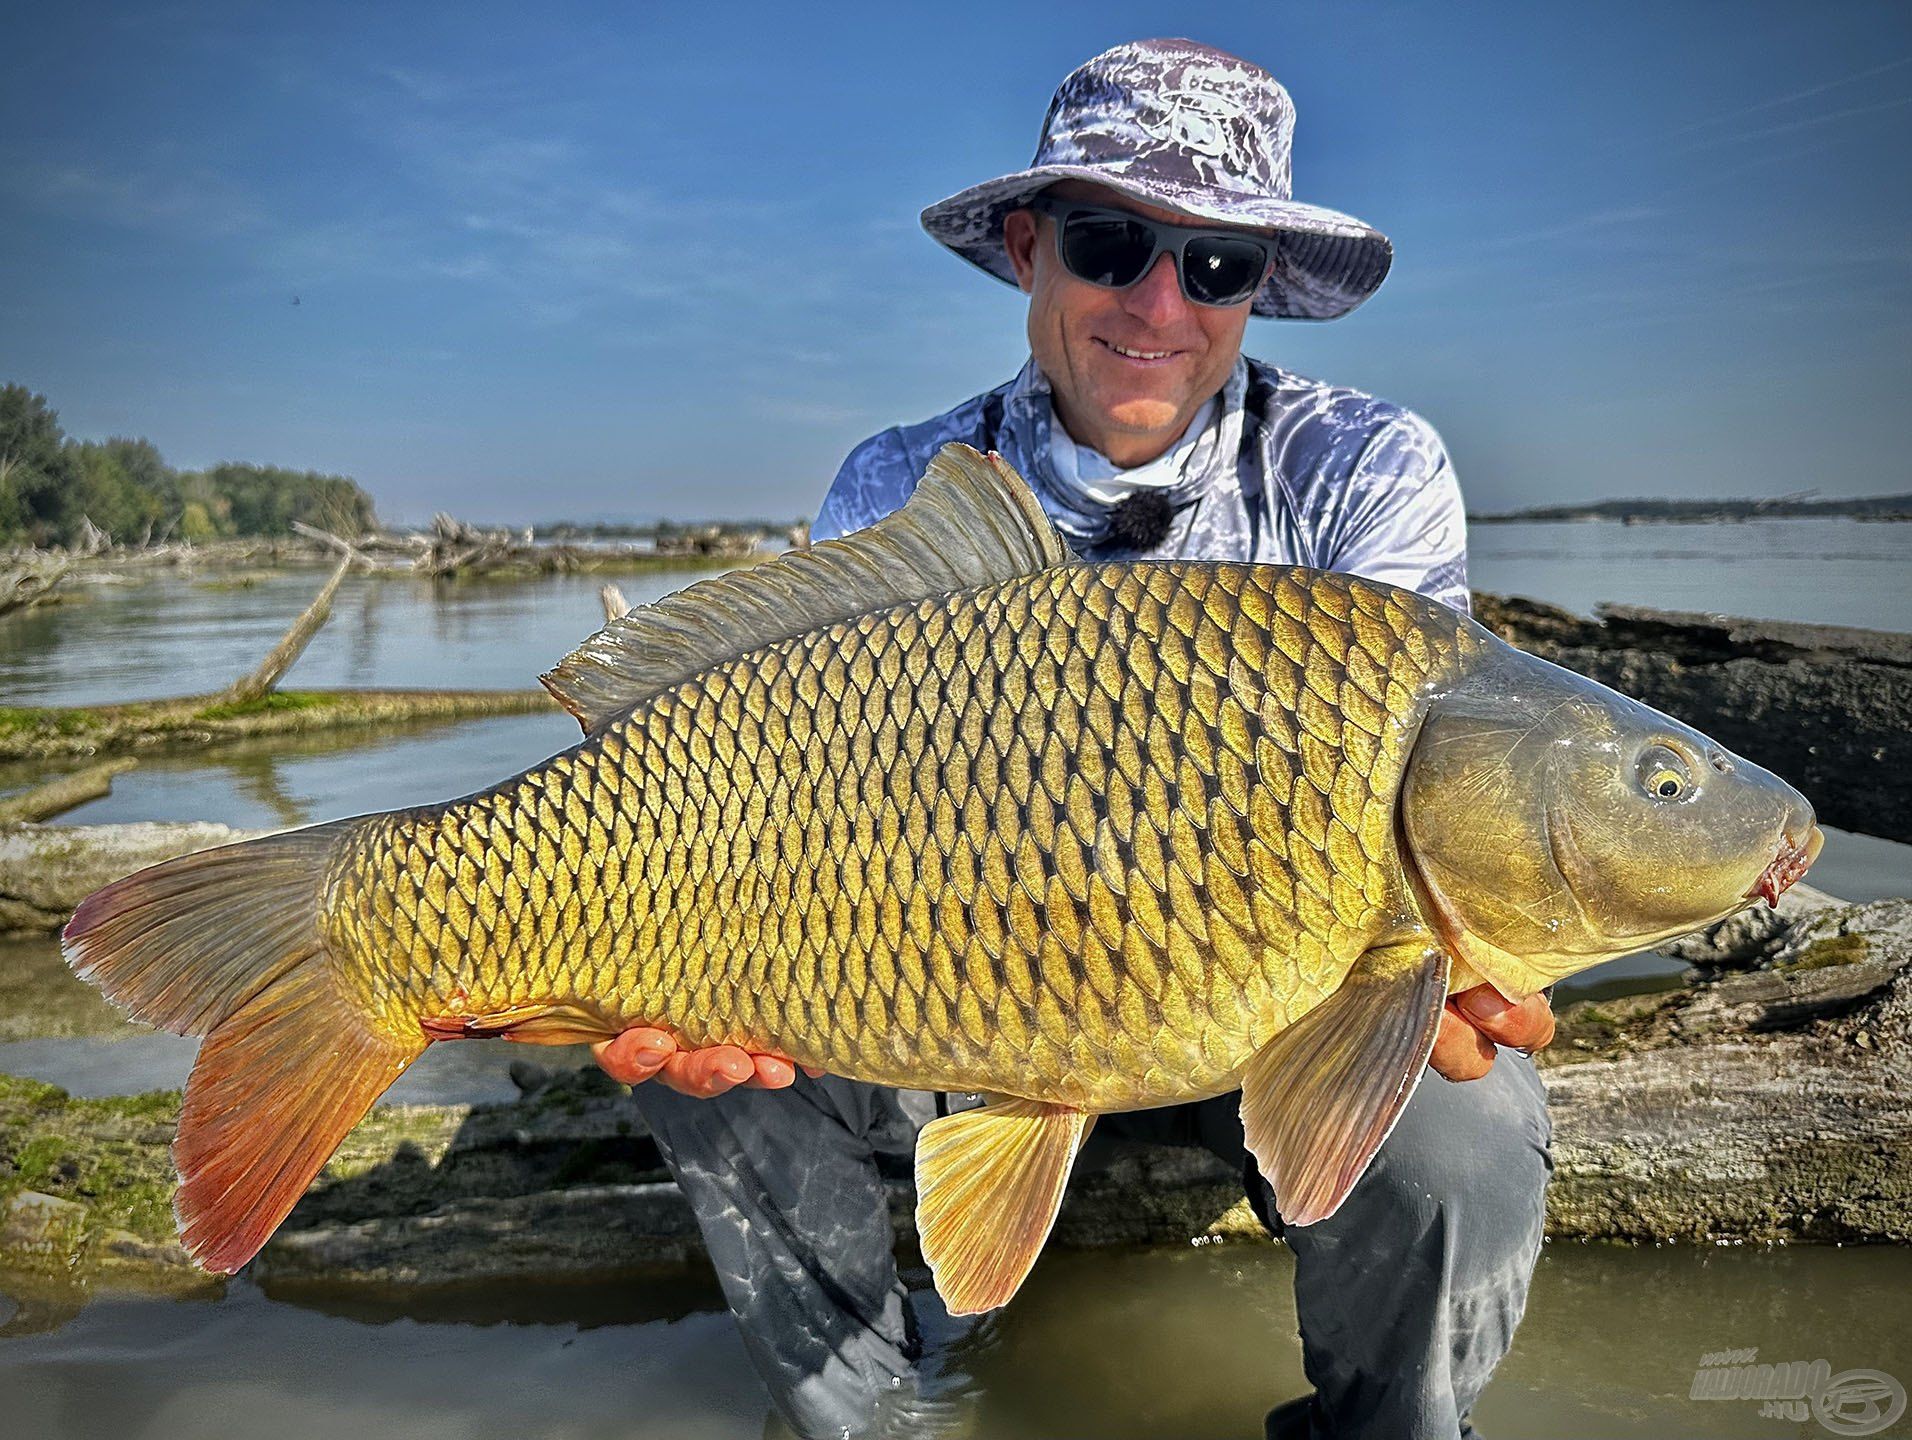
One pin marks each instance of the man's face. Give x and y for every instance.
(1129, 368)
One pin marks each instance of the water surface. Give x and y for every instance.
(1194, 1343)
(151, 634)
(1828, 572)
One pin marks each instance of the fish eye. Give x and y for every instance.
(1663, 773)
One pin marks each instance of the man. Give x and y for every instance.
(1155, 219)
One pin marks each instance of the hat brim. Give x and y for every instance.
(1326, 263)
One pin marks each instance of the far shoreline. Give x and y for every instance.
(1870, 508)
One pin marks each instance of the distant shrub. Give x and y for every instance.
(51, 485)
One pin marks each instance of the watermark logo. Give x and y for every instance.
(1852, 1402)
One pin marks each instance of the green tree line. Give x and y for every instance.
(51, 484)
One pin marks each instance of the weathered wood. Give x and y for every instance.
(615, 605)
(291, 646)
(195, 720)
(1765, 1101)
(45, 870)
(30, 581)
(63, 792)
(1827, 707)
(336, 543)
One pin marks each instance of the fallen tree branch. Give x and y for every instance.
(25, 585)
(193, 720)
(46, 870)
(272, 669)
(338, 543)
(63, 792)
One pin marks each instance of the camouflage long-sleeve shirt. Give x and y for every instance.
(1321, 475)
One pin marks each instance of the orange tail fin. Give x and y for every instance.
(226, 944)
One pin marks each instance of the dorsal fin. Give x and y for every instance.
(972, 521)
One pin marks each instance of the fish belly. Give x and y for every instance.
(1092, 836)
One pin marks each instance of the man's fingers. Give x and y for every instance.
(1528, 1025)
(1461, 1052)
(635, 1055)
(640, 1054)
(773, 1072)
(710, 1072)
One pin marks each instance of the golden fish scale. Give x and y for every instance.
(1090, 836)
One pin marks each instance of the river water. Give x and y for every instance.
(1188, 1342)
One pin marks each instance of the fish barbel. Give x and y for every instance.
(936, 805)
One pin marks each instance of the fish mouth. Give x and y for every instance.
(1792, 861)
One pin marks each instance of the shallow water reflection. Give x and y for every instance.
(1187, 1342)
(172, 633)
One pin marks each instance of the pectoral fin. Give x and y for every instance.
(988, 1185)
(1319, 1099)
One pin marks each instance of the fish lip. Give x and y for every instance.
(1793, 859)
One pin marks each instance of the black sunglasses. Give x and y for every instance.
(1115, 248)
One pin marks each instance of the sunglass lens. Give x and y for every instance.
(1220, 271)
(1105, 251)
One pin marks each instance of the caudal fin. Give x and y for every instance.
(226, 944)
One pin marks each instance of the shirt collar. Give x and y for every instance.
(1031, 438)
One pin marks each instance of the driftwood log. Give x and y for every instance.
(1828, 708)
(46, 870)
(337, 544)
(63, 792)
(454, 547)
(27, 582)
(1767, 1099)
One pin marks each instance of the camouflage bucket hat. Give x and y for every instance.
(1190, 129)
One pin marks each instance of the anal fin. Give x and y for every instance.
(988, 1185)
(1319, 1098)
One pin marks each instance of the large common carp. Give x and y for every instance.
(937, 805)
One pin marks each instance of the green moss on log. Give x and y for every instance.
(37, 734)
(1829, 951)
(273, 702)
(1603, 1029)
(28, 722)
(109, 1155)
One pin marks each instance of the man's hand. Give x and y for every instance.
(639, 1054)
(1474, 1021)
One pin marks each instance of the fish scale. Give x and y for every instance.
(1096, 833)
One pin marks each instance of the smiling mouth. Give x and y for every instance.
(1130, 353)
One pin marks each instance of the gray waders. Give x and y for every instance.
(1407, 1296)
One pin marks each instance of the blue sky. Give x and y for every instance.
(624, 261)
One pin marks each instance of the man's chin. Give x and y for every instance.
(1141, 416)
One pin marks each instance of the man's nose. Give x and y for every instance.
(1157, 299)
